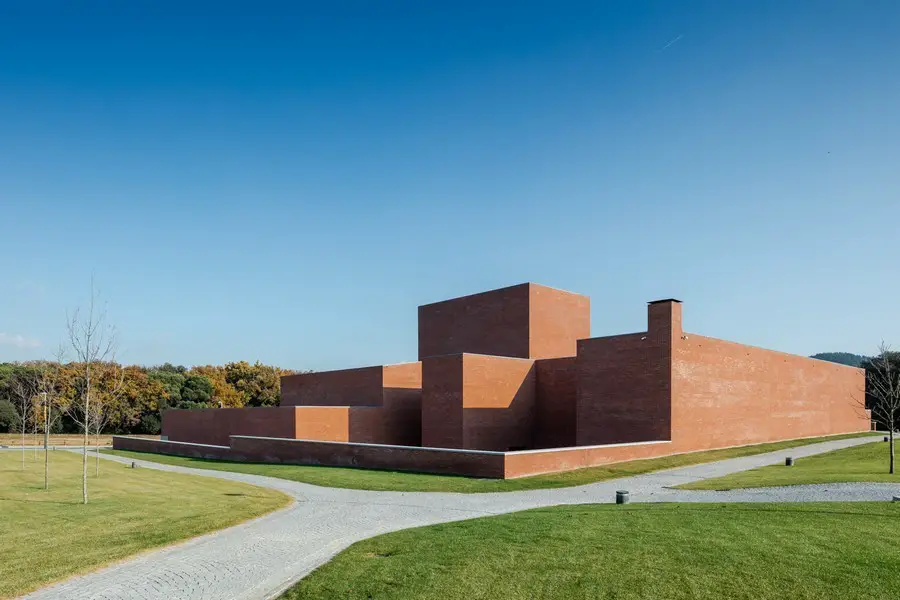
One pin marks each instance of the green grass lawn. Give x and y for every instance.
(419, 482)
(868, 462)
(50, 535)
(739, 551)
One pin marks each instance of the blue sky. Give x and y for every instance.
(286, 182)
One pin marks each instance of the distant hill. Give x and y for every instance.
(844, 358)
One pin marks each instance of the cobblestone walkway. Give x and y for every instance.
(259, 559)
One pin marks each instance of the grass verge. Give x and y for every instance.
(48, 535)
(868, 462)
(364, 479)
(673, 551)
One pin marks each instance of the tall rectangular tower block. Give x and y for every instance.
(523, 321)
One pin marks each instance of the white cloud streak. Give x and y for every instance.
(672, 41)
(18, 341)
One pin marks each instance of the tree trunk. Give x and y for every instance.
(84, 449)
(97, 452)
(46, 447)
(891, 438)
(23, 438)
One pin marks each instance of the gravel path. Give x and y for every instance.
(261, 558)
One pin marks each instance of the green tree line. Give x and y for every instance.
(137, 395)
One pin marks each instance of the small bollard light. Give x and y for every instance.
(789, 461)
(885, 438)
(133, 465)
(622, 497)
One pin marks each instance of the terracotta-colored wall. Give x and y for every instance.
(348, 387)
(524, 464)
(330, 423)
(397, 422)
(442, 401)
(494, 322)
(215, 425)
(376, 414)
(498, 402)
(402, 414)
(623, 390)
(625, 381)
(471, 463)
(661, 384)
(705, 393)
(522, 321)
(253, 449)
(365, 425)
(478, 402)
(172, 448)
(556, 397)
(557, 320)
(402, 376)
(402, 403)
(728, 394)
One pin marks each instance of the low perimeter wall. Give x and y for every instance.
(445, 461)
(174, 448)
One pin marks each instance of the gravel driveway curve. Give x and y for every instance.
(261, 558)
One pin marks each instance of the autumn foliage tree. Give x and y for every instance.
(146, 392)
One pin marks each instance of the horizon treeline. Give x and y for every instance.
(133, 397)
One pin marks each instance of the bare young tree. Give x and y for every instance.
(883, 391)
(24, 389)
(93, 341)
(50, 406)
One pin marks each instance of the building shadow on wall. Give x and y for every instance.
(509, 425)
(398, 421)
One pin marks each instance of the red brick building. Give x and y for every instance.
(510, 383)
